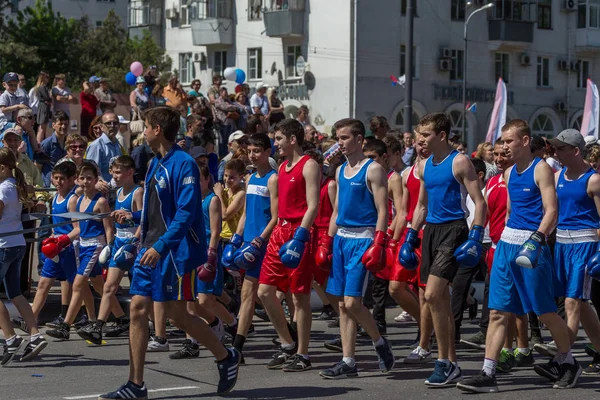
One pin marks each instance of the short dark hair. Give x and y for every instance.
(356, 126)
(124, 162)
(237, 165)
(520, 125)
(194, 82)
(87, 166)
(291, 127)
(499, 142)
(376, 145)
(394, 145)
(441, 122)
(205, 138)
(536, 143)
(66, 168)
(479, 165)
(315, 155)
(260, 140)
(167, 118)
(252, 122)
(60, 115)
(303, 108)
(377, 122)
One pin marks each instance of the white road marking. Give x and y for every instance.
(92, 396)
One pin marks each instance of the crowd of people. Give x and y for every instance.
(222, 209)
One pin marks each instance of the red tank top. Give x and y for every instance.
(325, 206)
(413, 186)
(391, 208)
(292, 191)
(497, 196)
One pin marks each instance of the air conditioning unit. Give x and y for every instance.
(446, 52)
(445, 64)
(563, 65)
(561, 106)
(569, 5)
(525, 59)
(575, 66)
(171, 13)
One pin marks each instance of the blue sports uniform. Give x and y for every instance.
(258, 213)
(513, 288)
(576, 236)
(68, 259)
(91, 241)
(171, 225)
(356, 221)
(124, 232)
(216, 286)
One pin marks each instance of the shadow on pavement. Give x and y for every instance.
(276, 393)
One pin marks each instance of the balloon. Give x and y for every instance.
(238, 88)
(130, 78)
(229, 73)
(240, 76)
(136, 68)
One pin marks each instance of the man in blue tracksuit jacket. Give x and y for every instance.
(173, 250)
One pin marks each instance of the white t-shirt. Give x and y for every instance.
(471, 207)
(34, 101)
(10, 220)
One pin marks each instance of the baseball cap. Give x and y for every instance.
(198, 151)
(10, 131)
(569, 136)
(94, 79)
(140, 79)
(11, 77)
(122, 120)
(235, 136)
(589, 139)
(261, 85)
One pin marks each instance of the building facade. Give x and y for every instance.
(336, 56)
(96, 10)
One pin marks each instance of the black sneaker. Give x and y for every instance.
(551, 370)
(340, 370)
(120, 327)
(92, 333)
(276, 341)
(481, 383)
(127, 391)
(228, 371)
(11, 350)
(382, 328)
(61, 332)
(334, 344)
(34, 348)
(297, 363)
(20, 324)
(569, 373)
(385, 355)
(189, 350)
(55, 322)
(592, 369)
(334, 324)
(281, 357)
(477, 341)
(83, 321)
(523, 360)
(176, 333)
(361, 332)
(327, 314)
(262, 314)
(230, 331)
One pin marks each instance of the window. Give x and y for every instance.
(544, 19)
(400, 119)
(501, 64)
(594, 19)
(515, 10)
(543, 126)
(581, 13)
(291, 55)
(98, 24)
(184, 16)
(457, 10)
(14, 6)
(213, 8)
(576, 122)
(185, 67)
(543, 72)
(583, 73)
(220, 62)
(414, 7)
(403, 61)
(588, 17)
(254, 10)
(254, 64)
(456, 73)
(456, 119)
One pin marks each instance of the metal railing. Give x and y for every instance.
(284, 5)
(204, 9)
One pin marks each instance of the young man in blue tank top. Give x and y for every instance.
(129, 198)
(446, 176)
(578, 192)
(356, 245)
(521, 276)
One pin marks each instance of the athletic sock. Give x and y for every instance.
(288, 346)
(63, 309)
(564, 358)
(379, 342)
(523, 350)
(445, 361)
(489, 366)
(34, 337)
(194, 341)
(11, 340)
(349, 361)
(239, 341)
(305, 356)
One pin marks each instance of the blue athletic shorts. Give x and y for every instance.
(520, 290)
(570, 260)
(161, 283)
(88, 260)
(348, 276)
(66, 267)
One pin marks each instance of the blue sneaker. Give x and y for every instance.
(385, 356)
(444, 374)
(228, 371)
(127, 391)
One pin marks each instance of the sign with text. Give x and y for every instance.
(474, 94)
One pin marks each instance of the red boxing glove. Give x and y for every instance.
(208, 270)
(374, 257)
(323, 255)
(52, 246)
(390, 252)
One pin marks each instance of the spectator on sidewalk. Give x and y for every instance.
(105, 97)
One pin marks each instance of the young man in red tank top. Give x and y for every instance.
(287, 263)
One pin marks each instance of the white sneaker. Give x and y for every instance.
(404, 317)
(219, 331)
(157, 344)
(418, 356)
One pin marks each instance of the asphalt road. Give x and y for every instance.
(73, 370)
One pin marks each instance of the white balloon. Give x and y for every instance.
(229, 73)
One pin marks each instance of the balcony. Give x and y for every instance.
(212, 22)
(141, 17)
(509, 35)
(587, 40)
(285, 18)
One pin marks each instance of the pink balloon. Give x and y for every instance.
(136, 68)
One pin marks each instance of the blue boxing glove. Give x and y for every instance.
(125, 256)
(407, 257)
(593, 265)
(529, 253)
(230, 249)
(249, 256)
(292, 251)
(469, 253)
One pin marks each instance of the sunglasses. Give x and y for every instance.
(77, 147)
(29, 117)
(111, 123)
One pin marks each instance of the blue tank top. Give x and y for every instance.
(576, 209)
(91, 228)
(60, 208)
(356, 206)
(206, 214)
(258, 206)
(446, 197)
(127, 205)
(526, 209)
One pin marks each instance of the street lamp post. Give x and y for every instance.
(471, 136)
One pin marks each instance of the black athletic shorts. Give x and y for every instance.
(439, 243)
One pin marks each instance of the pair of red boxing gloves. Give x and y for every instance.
(374, 259)
(52, 246)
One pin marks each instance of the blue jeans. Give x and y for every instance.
(10, 269)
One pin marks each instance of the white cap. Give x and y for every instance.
(261, 85)
(589, 139)
(235, 136)
(122, 120)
